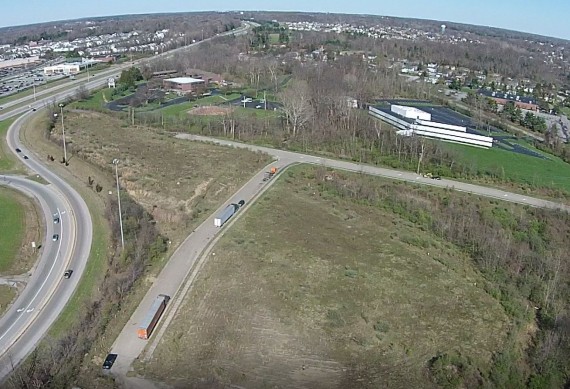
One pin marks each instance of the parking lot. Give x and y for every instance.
(14, 80)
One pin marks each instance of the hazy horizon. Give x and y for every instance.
(508, 14)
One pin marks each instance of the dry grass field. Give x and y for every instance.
(308, 290)
(178, 182)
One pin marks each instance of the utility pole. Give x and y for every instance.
(116, 163)
(63, 131)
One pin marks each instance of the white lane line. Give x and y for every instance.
(41, 287)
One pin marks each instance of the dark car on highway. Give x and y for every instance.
(109, 361)
(18, 150)
(67, 273)
(55, 237)
(26, 157)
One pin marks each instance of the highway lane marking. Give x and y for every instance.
(40, 288)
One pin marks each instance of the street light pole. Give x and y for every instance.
(63, 132)
(116, 163)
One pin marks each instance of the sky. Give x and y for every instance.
(544, 17)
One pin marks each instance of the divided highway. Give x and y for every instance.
(46, 292)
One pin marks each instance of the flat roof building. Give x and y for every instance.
(63, 68)
(183, 84)
(523, 102)
(410, 112)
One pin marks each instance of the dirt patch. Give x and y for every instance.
(308, 290)
(210, 111)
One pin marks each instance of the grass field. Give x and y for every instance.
(311, 290)
(95, 101)
(517, 168)
(7, 295)
(6, 157)
(12, 216)
(176, 181)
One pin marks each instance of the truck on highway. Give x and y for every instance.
(152, 316)
(228, 212)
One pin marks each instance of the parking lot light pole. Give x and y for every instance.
(116, 163)
(63, 132)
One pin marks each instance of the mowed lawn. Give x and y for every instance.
(12, 227)
(518, 168)
(311, 290)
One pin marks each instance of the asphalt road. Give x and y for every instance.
(389, 173)
(45, 275)
(171, 279)
(47, 292)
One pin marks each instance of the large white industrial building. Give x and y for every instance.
(412, 121)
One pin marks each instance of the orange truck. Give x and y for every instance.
(153, 316)
(270, 173)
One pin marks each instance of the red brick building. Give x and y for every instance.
(522, 102)
(208, 77)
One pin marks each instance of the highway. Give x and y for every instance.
(46, 292)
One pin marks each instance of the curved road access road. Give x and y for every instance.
(47, 291)
(400, 175)
(177, 276)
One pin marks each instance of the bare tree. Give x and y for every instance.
(296, 105)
